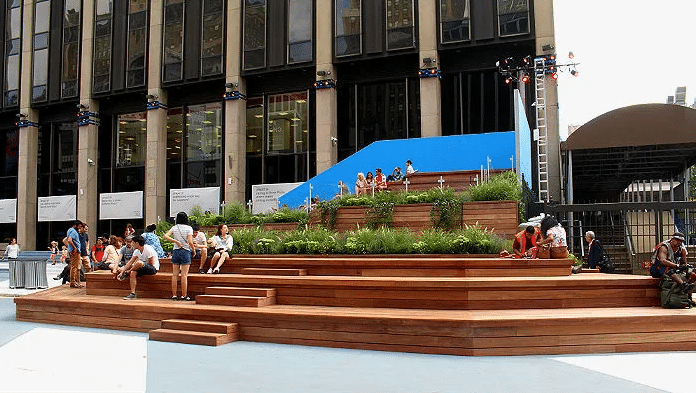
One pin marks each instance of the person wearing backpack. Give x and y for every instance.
(670, 257)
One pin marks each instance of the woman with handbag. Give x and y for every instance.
(222, 243)
(555, 237)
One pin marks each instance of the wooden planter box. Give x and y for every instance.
(500, 217)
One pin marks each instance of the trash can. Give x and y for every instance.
(35, 274)
(16, 274)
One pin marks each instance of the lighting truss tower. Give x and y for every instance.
(542, 140)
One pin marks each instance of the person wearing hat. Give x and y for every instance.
(670, 255)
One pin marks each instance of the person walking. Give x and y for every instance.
(181, 235)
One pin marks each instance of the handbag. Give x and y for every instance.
(605, 264)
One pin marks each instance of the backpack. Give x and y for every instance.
(605, 265)
(672, 295)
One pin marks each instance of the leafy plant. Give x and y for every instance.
(379, 215)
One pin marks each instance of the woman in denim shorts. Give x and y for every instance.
(181, 235)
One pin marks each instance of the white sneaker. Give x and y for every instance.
(210, 271)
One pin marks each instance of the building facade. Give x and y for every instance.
(109, 96)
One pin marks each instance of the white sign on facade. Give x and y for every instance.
(57, 208)
(8, 211)
(185, 199)
(265, 196)
(120, 205)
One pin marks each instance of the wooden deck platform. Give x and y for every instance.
(442, 313)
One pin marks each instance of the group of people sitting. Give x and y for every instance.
(546, 241)
(367, 184)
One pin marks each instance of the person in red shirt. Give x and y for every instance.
(98, 251)
(380, 180)
(524, 243)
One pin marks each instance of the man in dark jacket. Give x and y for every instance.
(594, 253)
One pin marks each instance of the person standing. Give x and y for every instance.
(12, 250)
(181, 235)
(84, 248)
(54, 251)
(72, 240)
(594, 250)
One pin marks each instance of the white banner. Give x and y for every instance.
(120, 205)
(185, 199)
(265, 196)
(57, 208)
(8, 211)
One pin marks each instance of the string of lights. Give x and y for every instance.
(522, 69)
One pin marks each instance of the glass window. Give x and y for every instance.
(102, 47)
(299, 31)
(212, 39)
(42, 12)
(287, 123)
(348, 28)
(454, 20)
(513, 17)
(173, 40)
(254, 132)
(71, 48)
(203, 145)
(13, 30)
(137, 43)
(131, 139)
(400, 24)
(254, 34)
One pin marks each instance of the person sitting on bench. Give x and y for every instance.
(670, 256)
(144, 262)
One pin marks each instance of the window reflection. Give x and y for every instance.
(254, 132)
(212, 39)
(102, 46)
(454, 20)
(254, 34)
(348, 28)
(71, 48)
(13, 29)
(42, 11)
(131, 139)
(203, 145)
(173, 40)
(513, 17)
(299, 31)
(287, 123)
(399, 24)
(137, 43)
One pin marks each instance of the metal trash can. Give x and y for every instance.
(29, 274)
(16, 274)
(41, 278)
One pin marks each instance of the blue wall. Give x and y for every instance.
(436, 154)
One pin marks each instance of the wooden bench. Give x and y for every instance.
(457, 180)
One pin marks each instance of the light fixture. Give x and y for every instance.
(574, 72)
(525, 78)
(547, 47)
(20, 116)
(321, 73)
(428, 60)
(91, 162)
(151, 98)
(82, 107)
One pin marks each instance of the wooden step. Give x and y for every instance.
(200, 326)
(235, 301)
(240, 291)
(274, 271)
(189, 337)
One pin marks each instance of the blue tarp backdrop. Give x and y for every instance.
(434, 154)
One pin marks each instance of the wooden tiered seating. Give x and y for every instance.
(195, 332)
(456, 180)
(446, 313)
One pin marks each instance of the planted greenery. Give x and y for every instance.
(503, 187)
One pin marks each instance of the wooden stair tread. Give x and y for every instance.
(274, 271)
(200, 326)
(240, 291)
(191, 337)
(239, 301)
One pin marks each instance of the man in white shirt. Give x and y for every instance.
(200, 243)
(144, 262)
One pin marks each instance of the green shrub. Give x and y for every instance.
(236, 213)
(162, 228)
(311, 241)
(246, 241)
(503, 187)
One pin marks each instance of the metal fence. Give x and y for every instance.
(629, 231)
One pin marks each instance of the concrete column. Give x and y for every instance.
(234, 159)
(326, 99)
(156, 154)
(430, 90)
(544, 31)
(87, 135)
(28, 141)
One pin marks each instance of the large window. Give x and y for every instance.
(254, 34)
(9, 159)
(400, 28)
(348, 28)
(377, 111)
(194, 146)
(102, 46)
(212, 39)
(57, 160)
(299, 31)
(72, 27)
(278, 139)
(513, 17)
(13, 37)
(173, 40)
(137, 43)
(131, 139)
(42, 13)
(454, 21)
